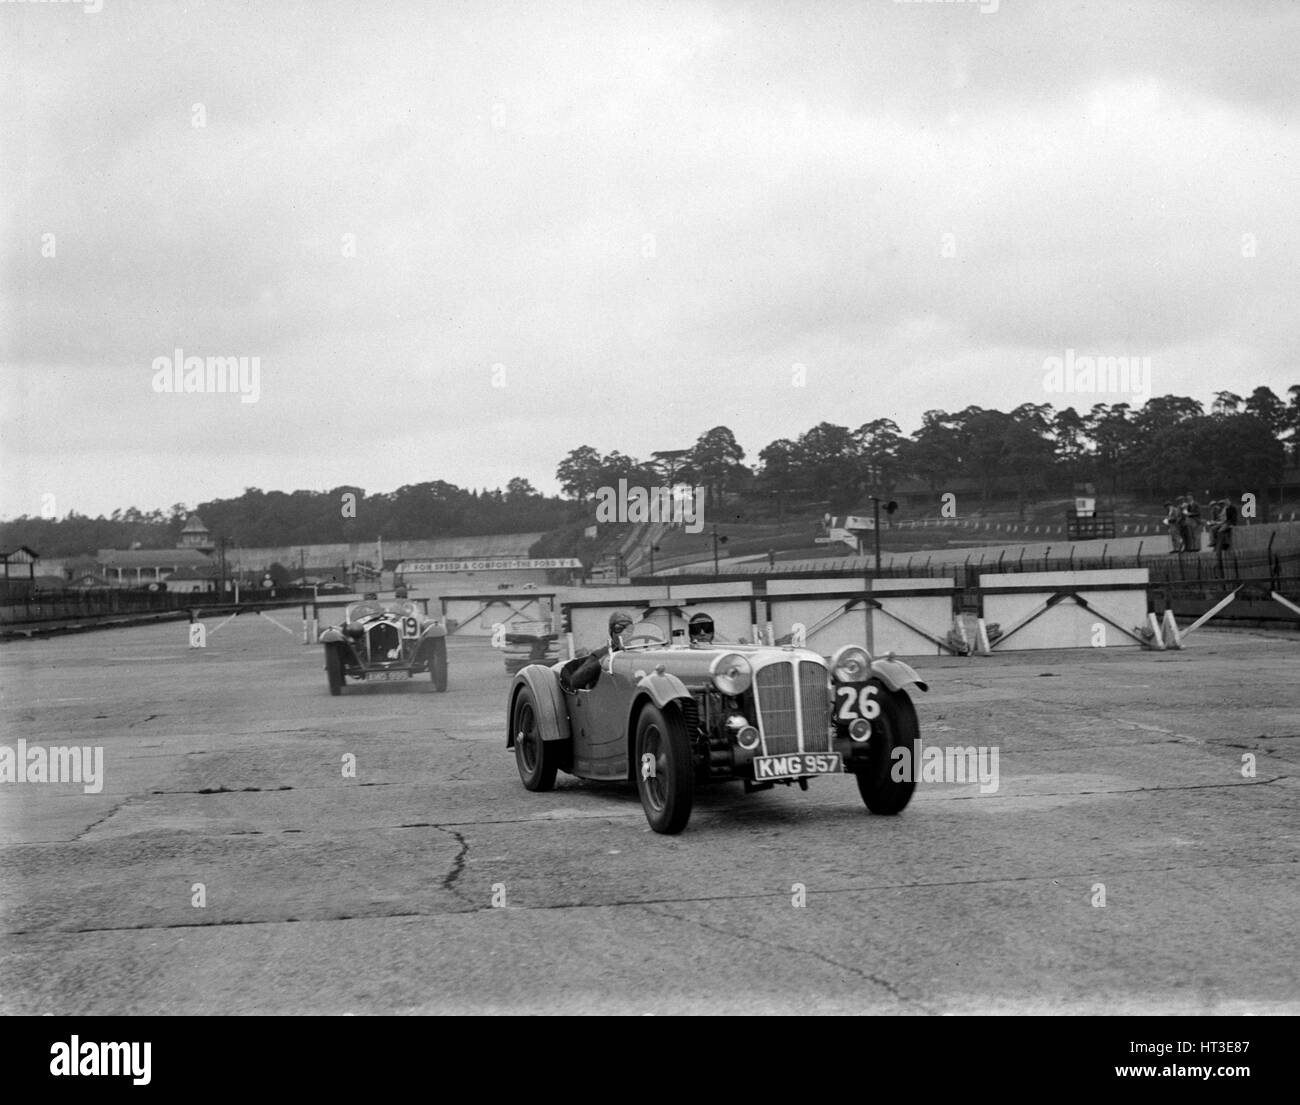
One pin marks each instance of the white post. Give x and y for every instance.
(1210, 613)
(1172, 637)
(1285, 602)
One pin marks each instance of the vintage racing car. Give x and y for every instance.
(381, 641)
(672, 717)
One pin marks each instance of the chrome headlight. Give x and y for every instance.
(731, 674)
(851, 664)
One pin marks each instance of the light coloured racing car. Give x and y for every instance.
(383, 642)
(672, 717)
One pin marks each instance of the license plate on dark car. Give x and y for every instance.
(388, 676)
(796, 764)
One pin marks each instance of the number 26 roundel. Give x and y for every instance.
(856, 702)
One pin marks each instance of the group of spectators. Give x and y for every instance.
(1183, 517)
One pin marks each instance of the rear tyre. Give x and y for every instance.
(886, 782)
(536, 759)
(334, 669)
(438, 663)
(665, 774)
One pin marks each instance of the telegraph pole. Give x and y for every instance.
(890, 507)
(875, 505)
(221, 546)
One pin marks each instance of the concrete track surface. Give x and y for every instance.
(1120, 773)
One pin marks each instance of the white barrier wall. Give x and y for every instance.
(914, 614)
(476, 615)
(917, 604)
(911, 617)
(1028, 609)
(819, 606)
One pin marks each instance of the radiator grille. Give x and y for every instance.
(783, 704)
(777, 710)
(814, 703)
(383, 638)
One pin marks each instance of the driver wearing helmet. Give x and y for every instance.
(700, 631)
(584, 674)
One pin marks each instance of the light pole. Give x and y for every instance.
(890, 507)
(653, 549)
(716, 542)
(221, 545)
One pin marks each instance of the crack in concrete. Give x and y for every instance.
(634, 902)
(100, 821)
(234, 922)
(750, 938)
(1116, 790)
(457, 864)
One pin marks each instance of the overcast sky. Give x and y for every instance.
(615, 224)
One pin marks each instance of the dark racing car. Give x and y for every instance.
(383, 642)
(674, 717)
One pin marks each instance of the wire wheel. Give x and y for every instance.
(665, 773)
(536, 759)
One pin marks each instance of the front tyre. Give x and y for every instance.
(665, 775)
(536, 759)
(438, 663)
(886, 780)
(334, 669)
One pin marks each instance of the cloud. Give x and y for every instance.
(645, 213)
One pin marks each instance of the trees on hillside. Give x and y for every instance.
(1168, 445)
(715, 461)
(578, 473)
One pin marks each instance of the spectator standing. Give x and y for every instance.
(1173, 519)
(1227, 522)
(1191, 523)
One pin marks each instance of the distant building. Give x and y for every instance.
(196, 535)
(19, 567)
(188, 564)
(191, 580)
(136, 567)
(20, 564)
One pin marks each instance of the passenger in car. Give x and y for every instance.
(700, 631)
